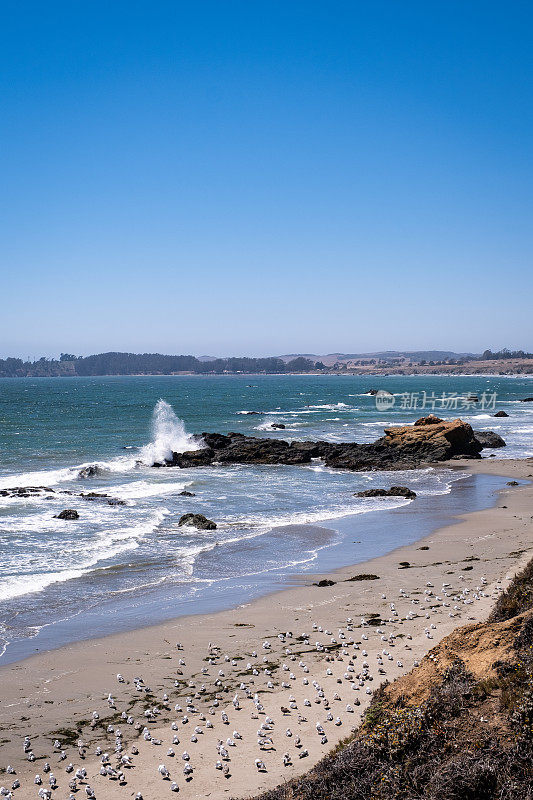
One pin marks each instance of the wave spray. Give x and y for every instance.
(168, 435)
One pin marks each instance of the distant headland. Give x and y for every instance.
(390, 362)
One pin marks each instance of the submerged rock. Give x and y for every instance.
(394, 491)
(278, 426)
(111, 501)
(25, 491)
(68, 513)
(501, 414)
(197, 521)
(92, 471)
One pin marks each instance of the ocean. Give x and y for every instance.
(122, 566)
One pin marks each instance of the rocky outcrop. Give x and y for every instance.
(68, 513)
(406, 447)
(394, 491)
(501, 414)
(489, 439)
(197, 521)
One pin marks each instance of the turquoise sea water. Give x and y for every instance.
(127, 565)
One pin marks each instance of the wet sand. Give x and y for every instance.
(258, 652)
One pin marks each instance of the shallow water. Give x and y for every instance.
(127, 565)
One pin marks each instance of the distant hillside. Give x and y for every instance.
(383, 355)
(504, 362)
(146, 364)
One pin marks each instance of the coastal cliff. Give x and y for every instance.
(458, 727)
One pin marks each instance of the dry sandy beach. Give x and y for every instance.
(255, 695)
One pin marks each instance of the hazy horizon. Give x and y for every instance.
(242, 354)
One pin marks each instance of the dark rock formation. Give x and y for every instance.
(394, 491)
(512, 483)
(372, 392)
(192, 458)
(324, 582)
(404, 447)
(68, 513)
(489, 439)
(278, 425)
(197, 521)
(501, 414)
(185, 493)
(526, 400)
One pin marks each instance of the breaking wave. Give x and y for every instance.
(168, 436)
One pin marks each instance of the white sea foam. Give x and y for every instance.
(55, 476)
(106, 545)
(330, 406)
(309, 517)
(141, 489)
(168, 436)
(38, 478)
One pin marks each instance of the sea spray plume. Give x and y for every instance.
(168, 435)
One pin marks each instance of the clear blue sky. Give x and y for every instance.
(266, 177)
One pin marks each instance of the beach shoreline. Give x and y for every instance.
(59, 689)
(349, 539)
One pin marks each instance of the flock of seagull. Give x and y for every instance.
(320, 678)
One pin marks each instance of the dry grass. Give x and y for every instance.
(518, 597)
